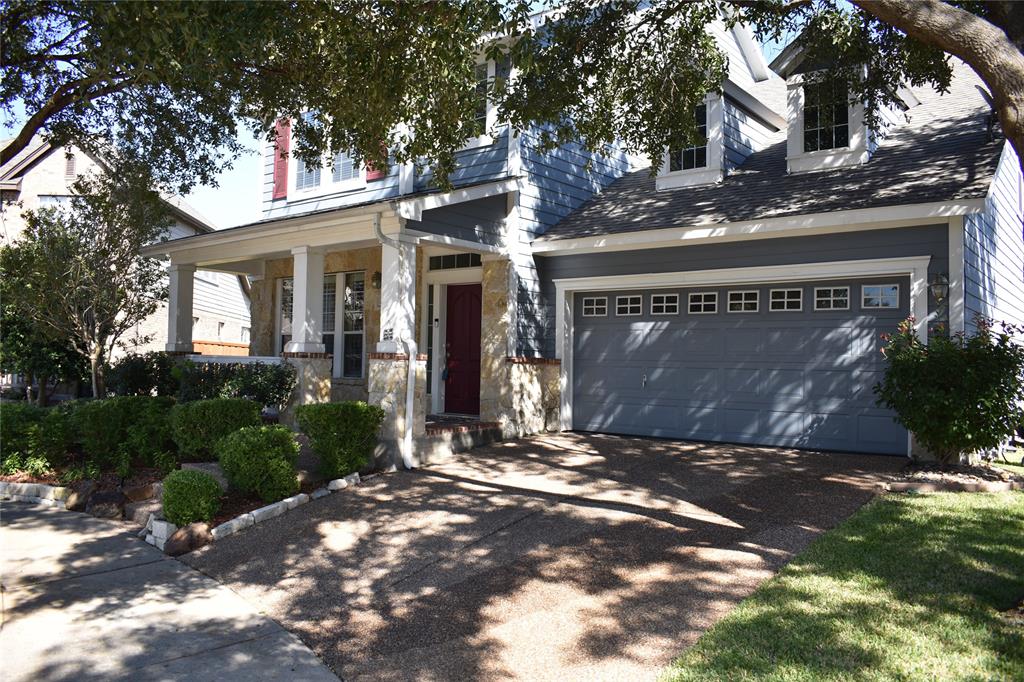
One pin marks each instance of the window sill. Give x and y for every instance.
(327, 190)
(477, 142)
(826, 159)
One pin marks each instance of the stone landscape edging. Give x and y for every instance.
(37, 493)
(951, 486)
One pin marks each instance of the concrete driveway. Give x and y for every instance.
(84, 600)
(563, 557)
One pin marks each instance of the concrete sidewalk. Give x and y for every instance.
(84, 599)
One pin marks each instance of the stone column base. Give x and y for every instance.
(312, 382)
(388, 373)
(524, 398)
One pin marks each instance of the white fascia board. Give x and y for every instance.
(413, 208)
(273, 236)
(751, 52)
(789, 226)
(755, 105)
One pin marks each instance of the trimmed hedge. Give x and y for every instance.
(260, 460)
(343, 435)
(270, 385)
(34, 439)
(116, 431)
(145, 374)
(190, 496)
(17, 421)
(197, 426)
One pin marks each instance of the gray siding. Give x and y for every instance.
(892, 243)
(481, 164)
(743, 134)
(556, 183)
(479, 221)
(994, 249)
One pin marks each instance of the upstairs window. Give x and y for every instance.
(345, 168)
(306, 176)
(692, 157)
(826, 116)
(480, 116)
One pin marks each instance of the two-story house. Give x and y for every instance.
(738, 295)
(42, 175)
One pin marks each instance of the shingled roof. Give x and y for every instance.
(943, 153)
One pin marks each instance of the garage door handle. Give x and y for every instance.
(644, 381)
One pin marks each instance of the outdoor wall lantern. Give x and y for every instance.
(375, 280)
(939, 287)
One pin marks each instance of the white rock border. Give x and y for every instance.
(36, 493)
(270, 511)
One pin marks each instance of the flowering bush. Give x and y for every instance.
(959, 394)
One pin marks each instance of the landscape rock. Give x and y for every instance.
(162, 529)
(106, 505)
(268, 512)
(211, 468)
(80, 495)
(319, 492)
(337, 484)
(150, 539)
(295, 500)
(187, 539)
(140, 493)
(233, 526)
(353, 478)
(140, 512)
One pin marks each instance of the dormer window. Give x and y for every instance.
(693, 157)
(701, 164)
(826, 116)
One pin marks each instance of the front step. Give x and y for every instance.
(442, 440)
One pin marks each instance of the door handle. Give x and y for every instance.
(643, 381)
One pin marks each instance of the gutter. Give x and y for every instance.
(410, 353)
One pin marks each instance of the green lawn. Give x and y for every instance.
(1014, 462)
(909, 588)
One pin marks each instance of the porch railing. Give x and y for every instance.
(236, 359)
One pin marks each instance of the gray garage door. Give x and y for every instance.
(790, 365)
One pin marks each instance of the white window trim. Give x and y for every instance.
(714, 300)
(880, 307)
(593, 304)
(799, 161)
(849, 290)
(627, 298)
(327, 184)
(757, 301)
(492, 117)
(713, 172)
(916, 268)
(800, 301)
(666, 303)
(339, 311)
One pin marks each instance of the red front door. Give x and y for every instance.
(462, 349)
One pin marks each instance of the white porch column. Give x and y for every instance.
(307, 301)
(397, 295)
(179, 307)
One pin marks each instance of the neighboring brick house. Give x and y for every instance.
(737, 296)
(42, 175)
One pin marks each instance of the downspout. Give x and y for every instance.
(410, 353)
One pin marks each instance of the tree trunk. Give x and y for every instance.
(41, 396)
(99, 389)
(985, 47)
(29, 380)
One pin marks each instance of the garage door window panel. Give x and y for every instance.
(781, 300)
(832, 298)
(743, 301)
(665, 304)
(703, 303)
(595, 306)
(874, 296)
(629, 306)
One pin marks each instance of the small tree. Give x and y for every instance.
(958, 394)
(80, 275)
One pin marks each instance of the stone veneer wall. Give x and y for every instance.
(520, 394)
(388, 373)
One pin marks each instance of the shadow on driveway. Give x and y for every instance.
(550, 558)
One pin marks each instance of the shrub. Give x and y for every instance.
(197, 426)
(146, 374)
(52, 437)
(17, 421)
(117, 430)
(343, 435)
(190, 496)
(270, 385)
(260, 460)
(27, 464)
(956, 395)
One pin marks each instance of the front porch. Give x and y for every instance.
(418, 323)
